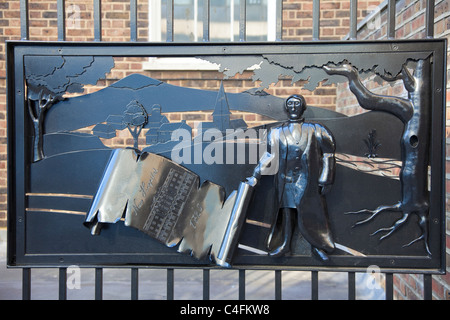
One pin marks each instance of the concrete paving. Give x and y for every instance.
(224, 284)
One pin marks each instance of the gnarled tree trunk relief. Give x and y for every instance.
(37, 111)
(414, 112)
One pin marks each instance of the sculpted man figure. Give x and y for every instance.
(306, 165)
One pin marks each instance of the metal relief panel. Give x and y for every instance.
(310, 188)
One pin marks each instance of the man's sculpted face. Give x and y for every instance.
(295, 108)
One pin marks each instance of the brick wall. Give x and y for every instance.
(410, 24)
(334, 18)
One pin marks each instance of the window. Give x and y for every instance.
(224, 27)
(224, 20)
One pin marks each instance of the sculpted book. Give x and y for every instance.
(166, 201)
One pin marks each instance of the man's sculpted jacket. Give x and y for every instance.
(306, 165)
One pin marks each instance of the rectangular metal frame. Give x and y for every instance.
(18, 147)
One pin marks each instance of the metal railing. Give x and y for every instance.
(97, 14)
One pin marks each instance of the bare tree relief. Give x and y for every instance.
(37, 109)
(135, 117)
(414, 112)
(48, 78)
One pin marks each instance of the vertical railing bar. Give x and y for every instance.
(278, 285)
(97, 20)
(133, 20)
(26, 284)
(61, 20)
(169, 19)
(24, 21)
(170, 284)
(389, 290)
(316, 19)
(391, 20)
(98, 283)
(206, 20)
(429, 22)
(351, 286)
(427, 287)
(243, 20)
(206, 285)
(242, 284)
(134, 283)
(314, 285)
(279, 23)
(353, 19)
(62, 283)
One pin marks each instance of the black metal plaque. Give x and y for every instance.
(310, 189)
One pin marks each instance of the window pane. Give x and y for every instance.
(224, 20)
(188, 20)
(224, 17)
(257, 19)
